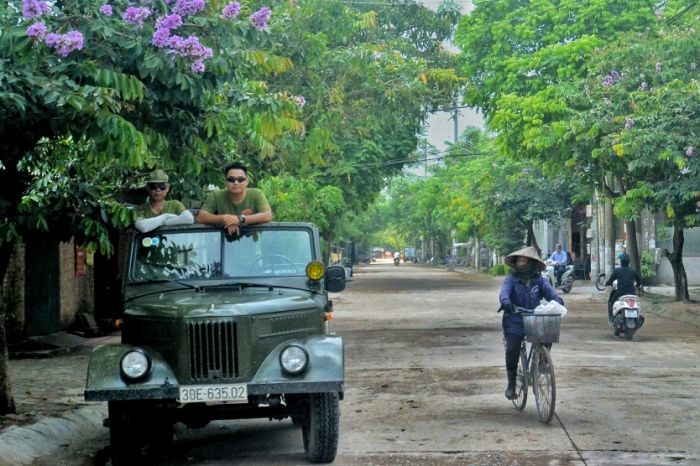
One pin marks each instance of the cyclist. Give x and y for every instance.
(523, 287)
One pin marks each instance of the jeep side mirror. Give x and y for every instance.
(335, 278)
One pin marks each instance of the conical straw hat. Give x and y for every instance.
(528, 252)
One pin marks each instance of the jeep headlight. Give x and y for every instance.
(135, 364)
(315, 270)
(294, 359)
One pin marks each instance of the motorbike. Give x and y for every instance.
(396, 261)
(567, 278)
(624, 314)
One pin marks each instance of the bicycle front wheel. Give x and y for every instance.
(521, 382)
(544, 387)
(600, 282)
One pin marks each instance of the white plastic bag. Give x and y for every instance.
(551, 307)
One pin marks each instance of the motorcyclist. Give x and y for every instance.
(523, 287)
(626, 278)
(397, 256)
(560, 260)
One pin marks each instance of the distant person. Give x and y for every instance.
(560, 259)
(523, 287)
(623, 250)
(237, 204)
(157, 211)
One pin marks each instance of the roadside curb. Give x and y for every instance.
(49, 435)
(681, 312)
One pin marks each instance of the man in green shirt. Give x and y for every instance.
(157, 211)
(237, 204)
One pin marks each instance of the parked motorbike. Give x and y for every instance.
(567, 278)
(624, 314)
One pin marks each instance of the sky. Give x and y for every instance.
(441, 125)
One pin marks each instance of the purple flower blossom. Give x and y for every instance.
(607, 102)
(658, 67)
(188, 7)
(189, 48)
(173, 21)
(659, 14)
(136, 15)
(65, 43)
(106, 9)
(643, 86)
(37, 32)
(232, 10)
(300, 100)
(161, 37)
(628, 123)
(689, 151)
(32, 8)
(197, 66)
(260, 18)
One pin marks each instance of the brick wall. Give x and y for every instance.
(76, 293)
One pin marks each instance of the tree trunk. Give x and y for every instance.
(680, 279)
(478, 253)
(7, 402)
(609, 259)
(632, 247)
(531, 238)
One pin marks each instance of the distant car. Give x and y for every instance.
(219, 327)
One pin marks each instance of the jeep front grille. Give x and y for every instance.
(213, 350)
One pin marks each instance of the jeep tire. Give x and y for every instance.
(124, 443)
(320, 429)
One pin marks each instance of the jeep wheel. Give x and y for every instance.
(124, 445)
(320, 429)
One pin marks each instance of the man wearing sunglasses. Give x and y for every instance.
(237, 204)
(157, 211)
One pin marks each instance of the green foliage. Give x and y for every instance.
(500, 269)
(647, 263)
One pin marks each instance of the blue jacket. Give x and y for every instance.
(514, 292)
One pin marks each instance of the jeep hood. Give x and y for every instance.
(190, 303)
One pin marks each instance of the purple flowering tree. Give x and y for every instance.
(93, 94)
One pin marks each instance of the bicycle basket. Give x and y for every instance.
(542, 328)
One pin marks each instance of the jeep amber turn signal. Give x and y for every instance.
(135, 365)
(315, 270)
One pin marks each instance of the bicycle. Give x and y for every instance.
(536, 368)
(600, 282)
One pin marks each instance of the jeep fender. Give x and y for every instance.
(325, 373)
(105, 382)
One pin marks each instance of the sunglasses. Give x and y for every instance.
(233, 179)
(154, 186)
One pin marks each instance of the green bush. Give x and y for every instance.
(499, 269)
(647, 263)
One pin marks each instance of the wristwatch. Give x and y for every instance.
(242, 218)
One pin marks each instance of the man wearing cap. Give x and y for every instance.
(237, 204)
(157, 211)
(523, 287)
(560, 260)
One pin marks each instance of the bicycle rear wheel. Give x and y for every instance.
(521, 384)
(544, 386)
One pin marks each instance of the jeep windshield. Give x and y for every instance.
(209, 254)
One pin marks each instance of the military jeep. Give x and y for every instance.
(218, 327)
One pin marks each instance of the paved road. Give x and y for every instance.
(425, 381)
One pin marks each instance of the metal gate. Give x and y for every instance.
(42, 309)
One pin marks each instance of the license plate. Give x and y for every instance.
(631, 313)
(232, 393)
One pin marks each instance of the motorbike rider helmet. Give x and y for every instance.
(624, 259)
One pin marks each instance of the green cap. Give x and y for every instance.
(157, 176)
